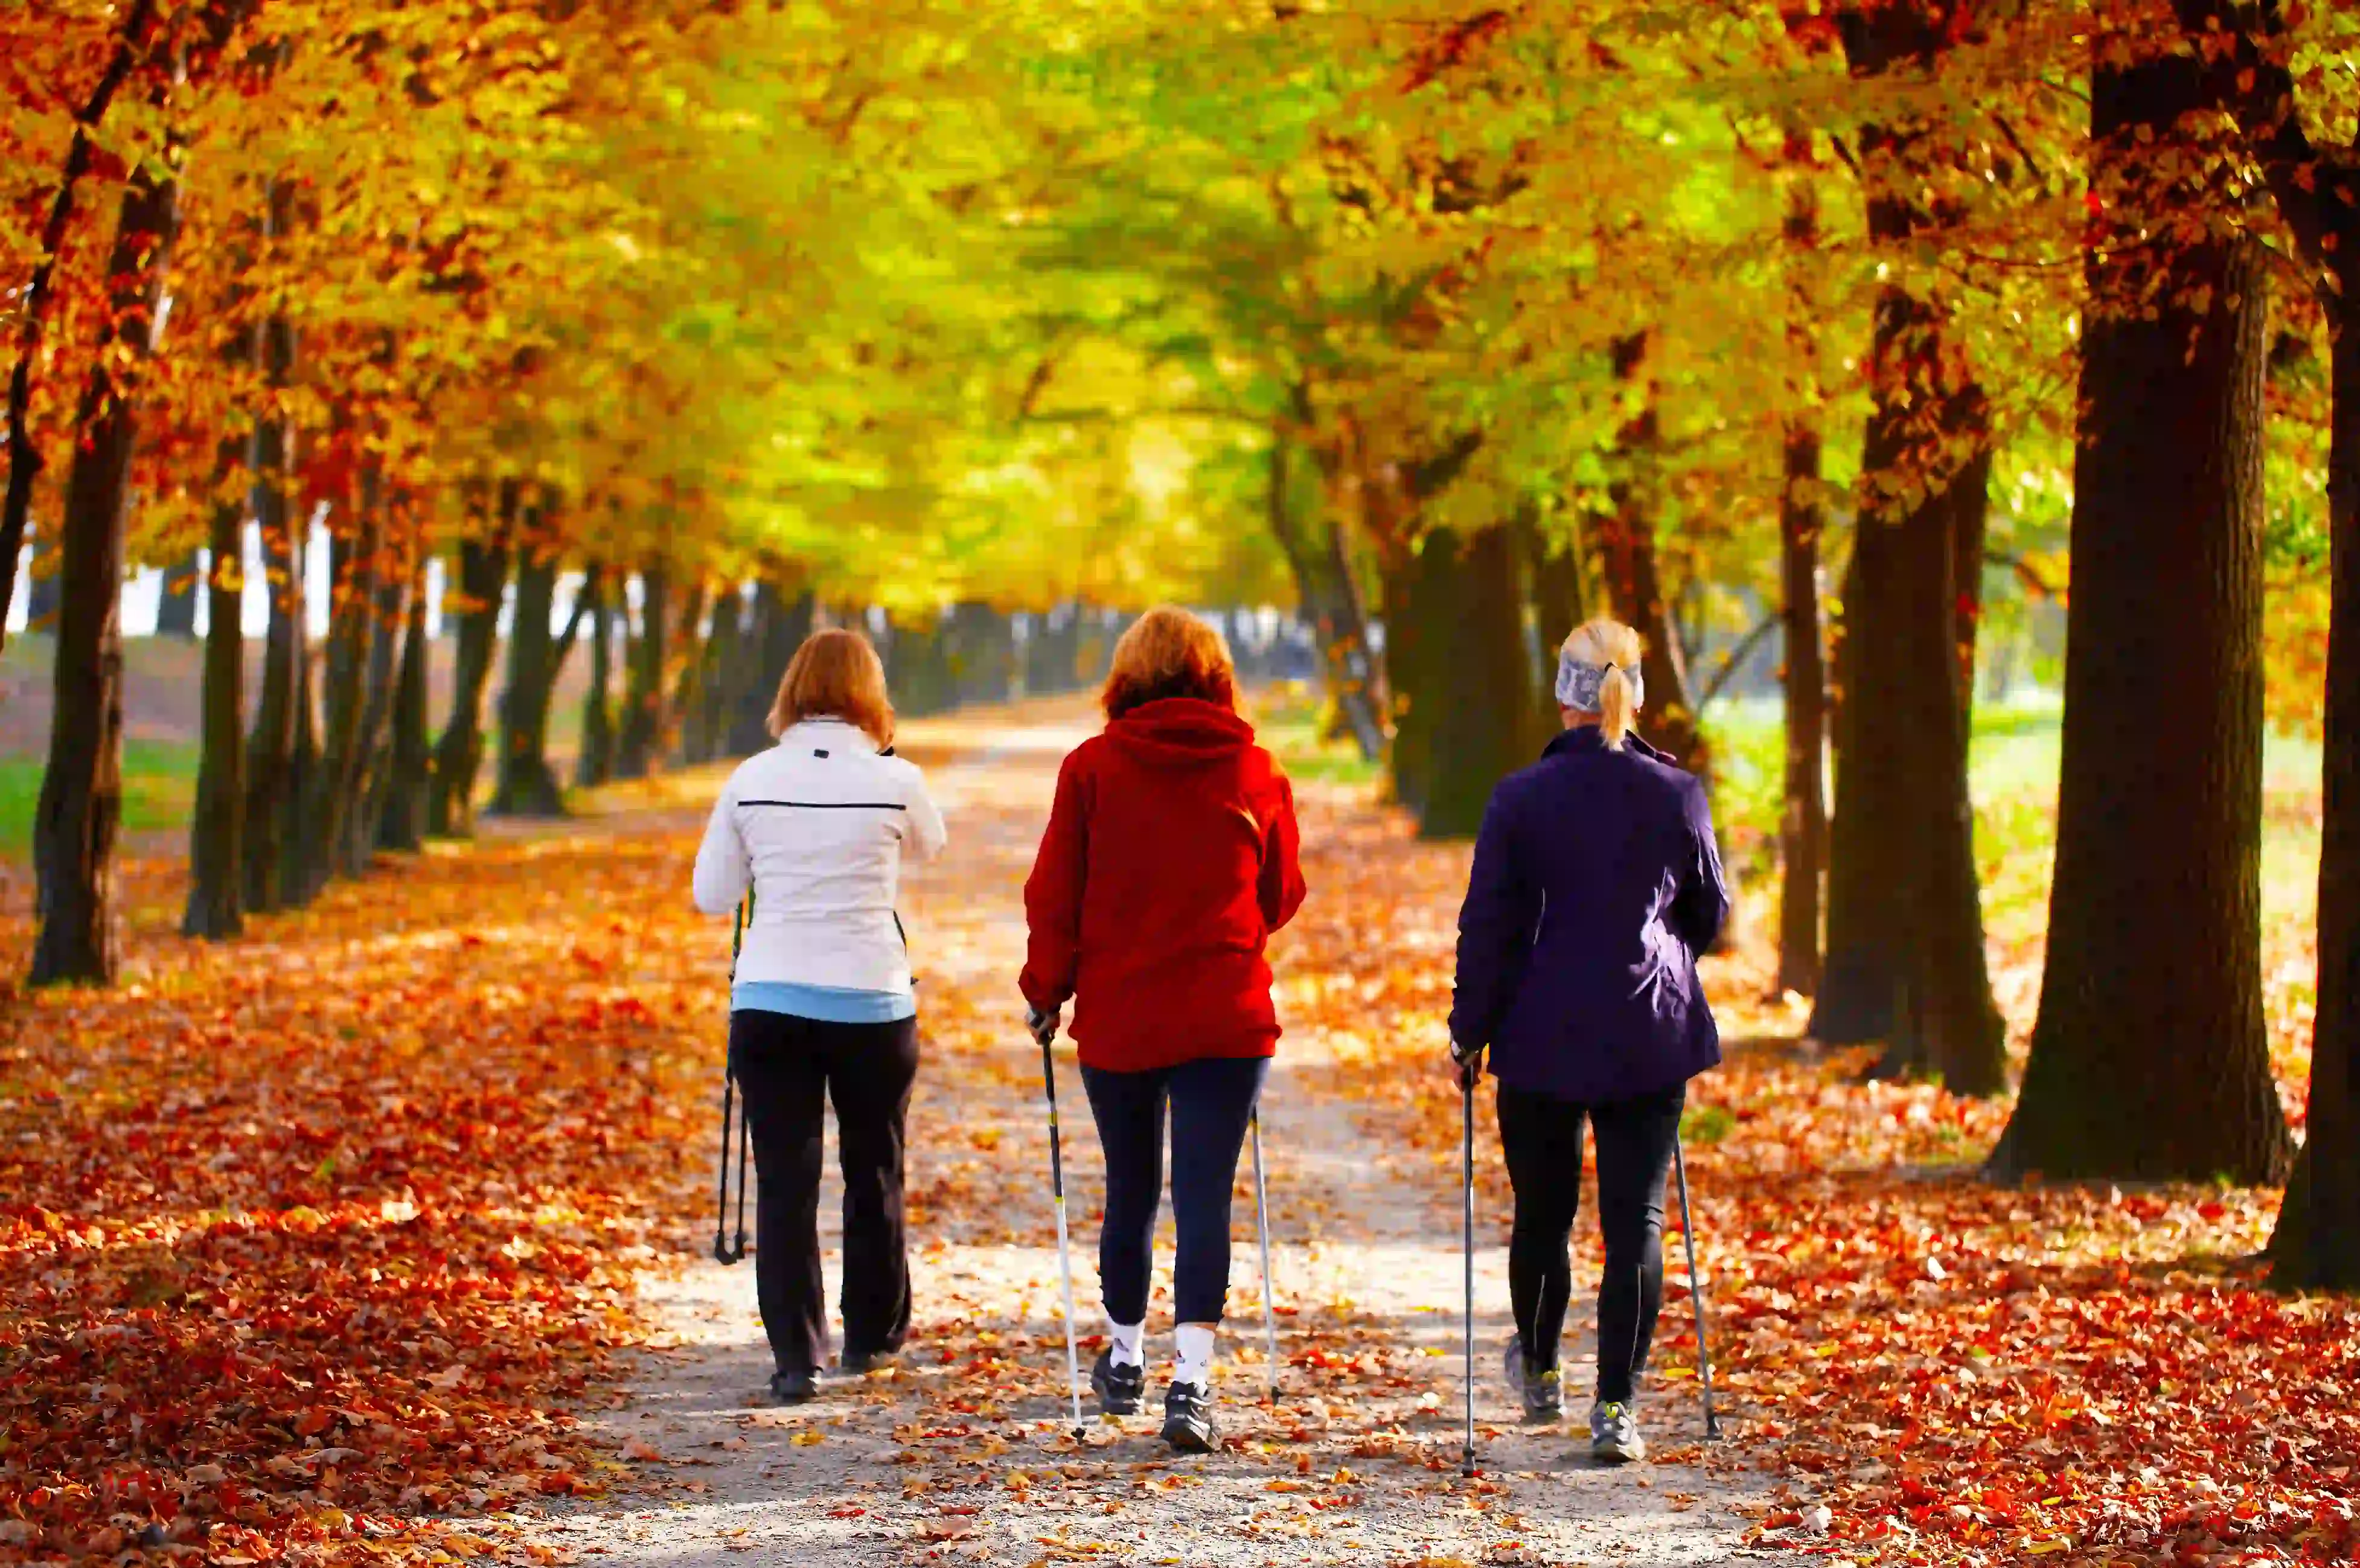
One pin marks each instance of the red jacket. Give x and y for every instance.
(1169, 859)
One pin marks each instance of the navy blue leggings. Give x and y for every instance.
(1212, 1099)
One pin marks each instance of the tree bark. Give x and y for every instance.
(272, 760)
(720, 668)
(781, 623)
(1330, 601)
(1472, 674)
(2149, 1059)
(81, 805)
(459, 754)
(401, 822)
(595, 764)
(692, 639)
(527, 784)
(132, 46)
(395, 583)
(217, 830)
(352, 612)
(1803, 824)
(645, 724)
(1632, 576)
(176, 602)
(2317, 1243)
(1552, 577)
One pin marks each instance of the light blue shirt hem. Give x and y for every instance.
(826, 1003)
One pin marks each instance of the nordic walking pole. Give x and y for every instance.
(1065, 1255)
(1467, 1190)
(1696, 1292)
(1262, 1219)
(723, 1252)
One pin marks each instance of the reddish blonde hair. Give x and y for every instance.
(1169, 653)
(835, 674)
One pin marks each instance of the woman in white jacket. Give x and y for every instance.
(823, 1008)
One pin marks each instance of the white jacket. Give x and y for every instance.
(818, 825)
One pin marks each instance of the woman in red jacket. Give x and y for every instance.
(1169, 859)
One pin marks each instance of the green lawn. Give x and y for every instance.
(159, 790)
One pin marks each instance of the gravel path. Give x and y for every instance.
(964, 1453)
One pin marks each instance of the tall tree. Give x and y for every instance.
(1905, 943)
(81, 790)
(2317, 1243)
(1629, 568)
(217, 829)
(459, 755)
(2143, 1067)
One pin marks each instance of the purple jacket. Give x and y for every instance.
(1596, 884)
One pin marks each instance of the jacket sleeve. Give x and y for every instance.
(1053, 895)
(926, 832)
(1701, 905)
(1496, 930)
(1281, 887)
(724, 871)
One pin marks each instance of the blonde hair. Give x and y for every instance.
(1617, 648)
(1169, 653)
(835, 674)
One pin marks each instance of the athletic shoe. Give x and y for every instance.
(1540, 1388)
(792, 1387)
(861, 1363)
(1188, 1418)
(1615, 1434)
(1119, 1388)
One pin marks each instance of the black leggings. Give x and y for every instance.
(788, 1068)
(1542, 1137)
(1212, 1099)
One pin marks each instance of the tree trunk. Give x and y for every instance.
(528, 785)
(780, 626)
(352, 614)
(1330, 602)
(1633, 579)
(687, 672)
(131, 45)
(2149, 1060)
(401, 823)
(217, 830)
(272, 763)
(1905, 960)
(458, 756)
(645, 724)
(1553, 574)
(720, 666)
(1803, 825)
(1410, 679)
(1474, 677)
(176, 602)
(395, 583)
(82, 789)
(595, 764)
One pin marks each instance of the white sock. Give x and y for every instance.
(1130, 1343)
(1195, 1365)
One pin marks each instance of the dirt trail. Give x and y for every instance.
(964, 1454)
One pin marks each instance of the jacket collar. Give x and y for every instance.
(1591, 740)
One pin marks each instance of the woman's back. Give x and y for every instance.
(1596, 884)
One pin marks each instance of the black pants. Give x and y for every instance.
(785, 1066)
(1212, 1099)
(1542, 1137)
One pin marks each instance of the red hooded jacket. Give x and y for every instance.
(1169, 859)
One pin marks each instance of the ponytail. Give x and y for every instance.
(1616, 710)
(1597, 672)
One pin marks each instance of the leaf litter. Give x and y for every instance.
(355, 1241)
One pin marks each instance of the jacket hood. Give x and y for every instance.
(1180, 732)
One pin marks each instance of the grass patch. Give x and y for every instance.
(159, 790)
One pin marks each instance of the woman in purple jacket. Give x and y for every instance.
(1596, 884)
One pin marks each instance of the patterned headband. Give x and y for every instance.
(1578, 682)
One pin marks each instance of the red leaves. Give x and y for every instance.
(1450, 48)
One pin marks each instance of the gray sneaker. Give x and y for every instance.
(1615, 1434)
(1540, 1388)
